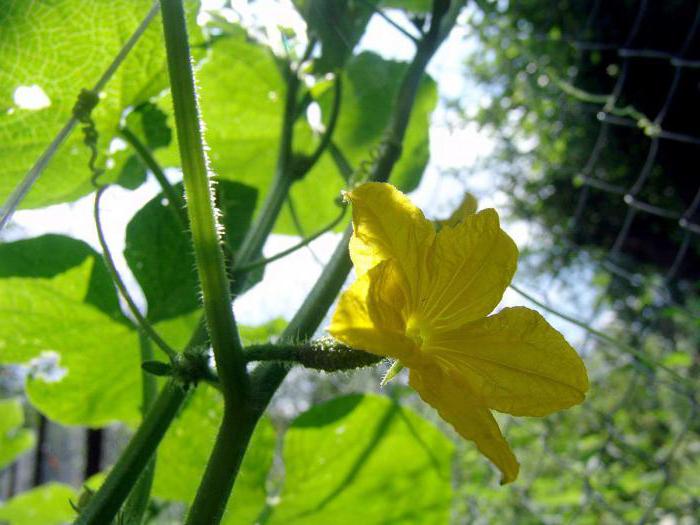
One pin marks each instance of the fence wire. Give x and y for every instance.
(629, 453)
(645, 386)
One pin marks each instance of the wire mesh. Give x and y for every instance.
(646, 386)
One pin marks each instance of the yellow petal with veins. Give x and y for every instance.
(513, 362)
(388, 226)
(369, 314)
(472, 263)
(472, 421)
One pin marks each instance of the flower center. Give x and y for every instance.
(418, 330)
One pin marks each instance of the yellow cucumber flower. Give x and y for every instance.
(424, 298)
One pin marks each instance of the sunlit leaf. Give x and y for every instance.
(183, 454)
(159, 249)
(370, 85)
(241, 96)
(90, 372)
(49, 52)
(262, 333)
(50, 255)
(417, 6)
(48, 505)
(339, 25)
(364, 459)
(14, 440)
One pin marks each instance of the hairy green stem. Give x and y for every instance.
(207, 249)
(177, 204)
(326, 355)
(238, 422)
(105, 503)
(20, 192)
(232, 440)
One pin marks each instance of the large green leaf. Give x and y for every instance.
(60, 47)
(241, 96)
(50, 255)
(100, 357)
(364, 459)
(370, 86)
(183, 454)
(46, 505)
(416, 6)
(159, 250)
(242, 100)
(14, 440)
(262, 333)
(339, 25)
(149, 124)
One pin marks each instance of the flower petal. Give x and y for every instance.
(467, 207)
(473, 422)
(472, 264)
(369, 313)
(513, 362)
(388, 226)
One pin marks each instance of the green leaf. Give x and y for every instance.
(132, 172)
(50, 255)
(14, 440)
(370, 88)
(100, 357)
(339, 25)
(150, 125)
(364, 459)
(678, 360)
(415, 6)
(262, 333)
(241, 96)
(154, 237)
(48, 504)
(177, 331)
(183, 454)
(370, 85)
(57, 48)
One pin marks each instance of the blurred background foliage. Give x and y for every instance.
(593, 108)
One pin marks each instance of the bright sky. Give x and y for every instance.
(452, 147)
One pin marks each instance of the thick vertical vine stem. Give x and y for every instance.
(200, 207)
(238, 421)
